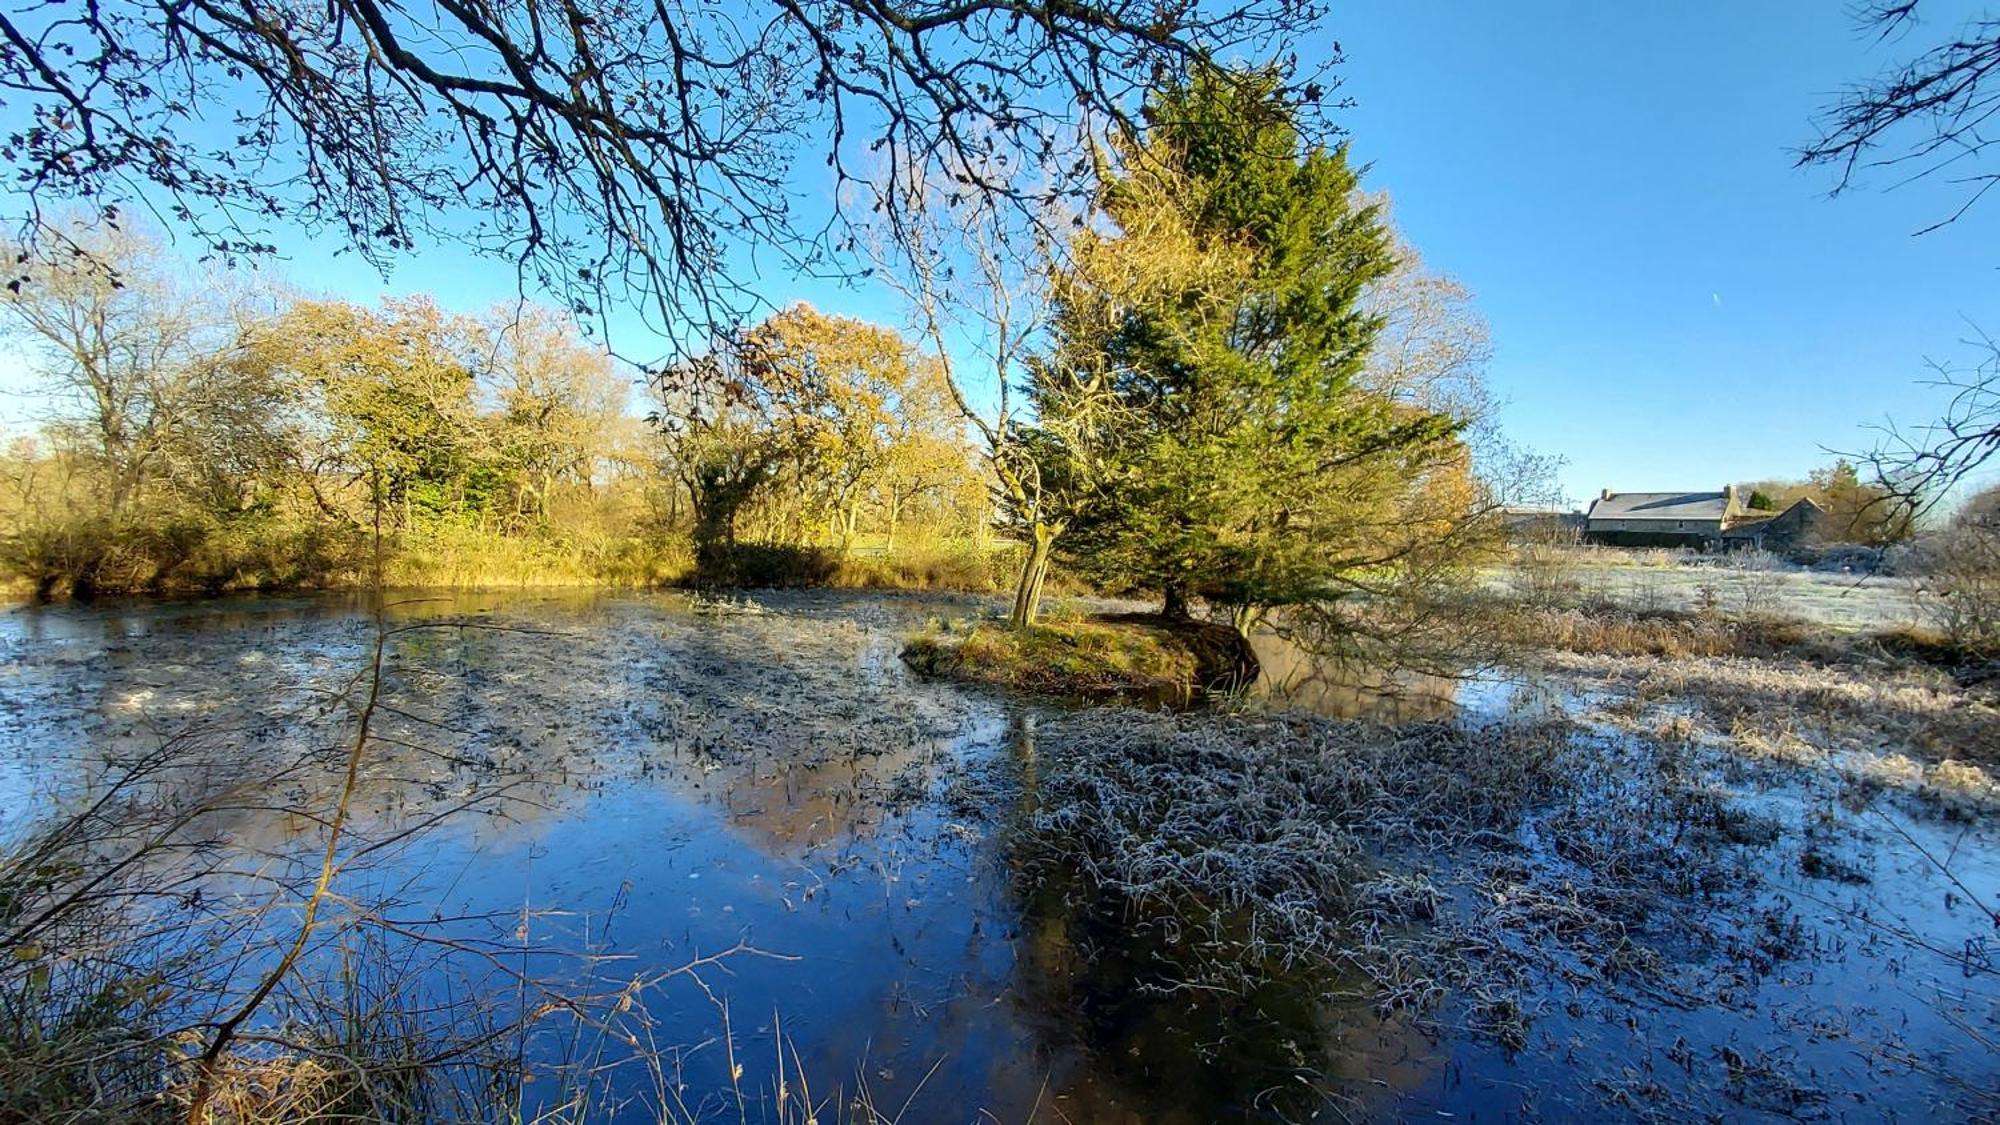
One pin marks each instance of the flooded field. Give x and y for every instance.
(823, 882)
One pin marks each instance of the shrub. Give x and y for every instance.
(764, 564)
(1546, 576)
(1960, 589)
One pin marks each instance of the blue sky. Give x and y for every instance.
(1672, 304)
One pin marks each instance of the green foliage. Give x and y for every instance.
(1760, 501)
(1855, 510)
(1203, 395)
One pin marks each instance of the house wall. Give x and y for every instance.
(1612, 532)
(1650, 539)
(1792, 528)
(1708, 528)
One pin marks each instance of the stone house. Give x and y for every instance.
(1700, 520)
(1661, 519)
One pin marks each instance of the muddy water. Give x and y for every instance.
(769, 780)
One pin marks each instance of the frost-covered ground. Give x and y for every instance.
(1752, 584)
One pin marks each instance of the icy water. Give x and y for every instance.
(770, 784)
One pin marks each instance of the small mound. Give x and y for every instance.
(1125, 657)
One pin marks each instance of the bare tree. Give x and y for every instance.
(1960, 588)
(1432, 353)
(1917, 468)
(1931, 114)
(145, 369)
(600, 147)
(974, 275)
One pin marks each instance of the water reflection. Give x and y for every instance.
(1291, 675)
(1166, 1041)
(674, 782)
(656, 783)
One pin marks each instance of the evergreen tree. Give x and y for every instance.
(1215, 330)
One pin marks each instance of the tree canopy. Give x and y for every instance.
(1214, 335)
(599, 147)
(1857, 510)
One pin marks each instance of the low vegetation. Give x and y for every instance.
(1137, 658)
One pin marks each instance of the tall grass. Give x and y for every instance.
(465, 557)
(88, 557)
(960, 565)
(934, 565)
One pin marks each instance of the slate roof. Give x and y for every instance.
(1661, 506)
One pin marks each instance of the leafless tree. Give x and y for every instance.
(1919, 467)
(603, 148)
(1930, 114)
(974, 278)
(143, 367)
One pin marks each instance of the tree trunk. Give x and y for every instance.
(1174, 605)
(1246, 618)
(1034, 574)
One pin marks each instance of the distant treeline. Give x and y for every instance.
(199, 434)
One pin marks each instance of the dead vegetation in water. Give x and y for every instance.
(159, 892)
(1491, 876)
(1495, 879)
(1900, 706)
(1910, 728)
(1394, 854)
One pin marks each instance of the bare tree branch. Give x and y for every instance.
(605, 149)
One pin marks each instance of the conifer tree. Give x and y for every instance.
(1215, 327)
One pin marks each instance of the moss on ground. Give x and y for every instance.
(1126, 657)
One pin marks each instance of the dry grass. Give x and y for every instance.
(1085, 659)
(466, 558)
(1885, 708)
(1608, 629)
(962, 566)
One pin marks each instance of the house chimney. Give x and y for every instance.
(1728, 496)
(1604, 495)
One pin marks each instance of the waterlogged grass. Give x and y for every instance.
(1728, 934)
